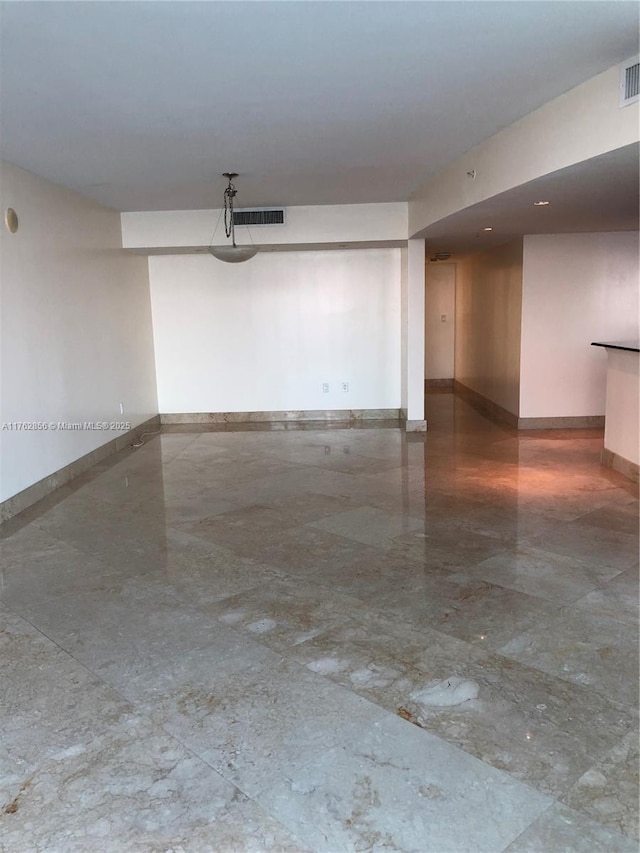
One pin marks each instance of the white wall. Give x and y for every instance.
(440, 300)
(577, 288)
(76, 328)
(265, 335)
(488, 322)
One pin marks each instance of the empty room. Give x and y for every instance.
(319, 342)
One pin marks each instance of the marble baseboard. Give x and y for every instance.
(282, 426)
(32, 494)
(585, 422)
(504, 416)
(290, 415)
(623, 466)
(415, 426)
(485, 405)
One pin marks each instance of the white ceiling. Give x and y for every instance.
(141, 105)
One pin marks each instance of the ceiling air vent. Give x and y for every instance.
(258, 217)
(630, 81)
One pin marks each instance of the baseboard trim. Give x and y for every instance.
(618, 463)
(32, 494)
(300, 415)
(503, 416)
(585, 422)
(485, 405)
(415, 426)
(438, 383)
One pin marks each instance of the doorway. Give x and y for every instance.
(440, 307)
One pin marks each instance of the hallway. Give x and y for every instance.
(328, 639)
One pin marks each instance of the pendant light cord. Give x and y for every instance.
(229, 225)
(232, 253)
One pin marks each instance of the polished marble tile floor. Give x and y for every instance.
(325, 639)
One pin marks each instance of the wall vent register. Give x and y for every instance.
(630, 81)
(258, 217)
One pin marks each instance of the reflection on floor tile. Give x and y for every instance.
(593, 544)
(277, 639)
(465, 607)
(197, 571)
(38, 566)
(369, 525)
(125, 627)
(446, 545)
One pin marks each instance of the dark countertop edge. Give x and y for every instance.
(630, 346)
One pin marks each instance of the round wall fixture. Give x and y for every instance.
(11, 220)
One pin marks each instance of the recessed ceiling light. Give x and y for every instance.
(541, 203)
(487, 229)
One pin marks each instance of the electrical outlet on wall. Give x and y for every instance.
(325, 387)
(345, 386)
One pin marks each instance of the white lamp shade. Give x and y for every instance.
(233, 254)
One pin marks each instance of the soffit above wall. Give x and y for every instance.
(601, 194)
(271, 247)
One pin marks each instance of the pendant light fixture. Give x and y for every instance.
(231, 253)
